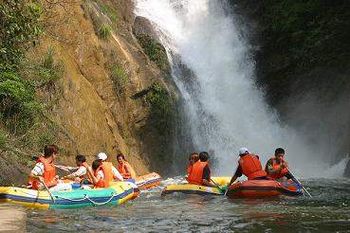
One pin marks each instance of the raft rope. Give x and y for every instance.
(86, 197)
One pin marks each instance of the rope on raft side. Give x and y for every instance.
(86, 197)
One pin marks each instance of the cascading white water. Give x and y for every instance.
(224, 107)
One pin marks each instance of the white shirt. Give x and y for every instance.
(80, 172)
(38, 170)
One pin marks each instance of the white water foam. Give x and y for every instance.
(224, 107)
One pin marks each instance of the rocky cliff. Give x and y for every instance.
(114, 95)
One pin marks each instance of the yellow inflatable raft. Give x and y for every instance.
(197, 189)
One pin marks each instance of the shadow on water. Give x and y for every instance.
(327, 211)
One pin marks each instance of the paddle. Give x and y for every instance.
(48, 190)
(297, 181)
(66, 168)
(218, 186)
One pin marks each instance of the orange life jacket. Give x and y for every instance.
(101, 183)
(196, 175)
(123, 170)
(107, 172)
(48, 175)
(251, 166)
(276, 167)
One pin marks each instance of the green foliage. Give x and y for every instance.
(162, 109)
(109, 11)
(155, 51)
(119, 77)
(304, 31)
(48, 70)
(104, 31)
(17, 102)
(19, 26)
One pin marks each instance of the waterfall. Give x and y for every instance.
(224, 107)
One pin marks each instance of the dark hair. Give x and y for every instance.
(194, 155)
(96, 163)
(279, 151)
(121, 155)
(203, 156)
(80, 158)
(49, 150)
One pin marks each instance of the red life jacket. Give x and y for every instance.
(196, 175)
(251, 166)
(48, 175)
(276, 167)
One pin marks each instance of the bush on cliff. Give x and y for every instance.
(155, 51)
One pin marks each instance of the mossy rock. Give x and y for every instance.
(155, 51)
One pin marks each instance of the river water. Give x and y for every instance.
(327, 211)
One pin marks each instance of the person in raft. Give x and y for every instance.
(44, 175)
(80, 174)
(103, 170)
(125, 168)
(193, 158)
(276, 167)
(248, 165)
(200, 173)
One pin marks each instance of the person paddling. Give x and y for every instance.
(276, 167)
(249, 165)
(125, 168)
(81, 173)
(44, 170)
(200, 173)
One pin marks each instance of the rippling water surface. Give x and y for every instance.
(327, 211)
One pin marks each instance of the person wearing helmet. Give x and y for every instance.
(277, 167)
(248, 165)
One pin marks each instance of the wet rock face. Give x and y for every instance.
(347, 170)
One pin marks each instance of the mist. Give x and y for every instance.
(224, 107)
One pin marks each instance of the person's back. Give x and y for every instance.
(248, 165)
(251, 166)
(106, 167)
(200, 173)
(196, 174)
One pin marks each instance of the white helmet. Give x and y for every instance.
(101, 156)
(243, 151)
